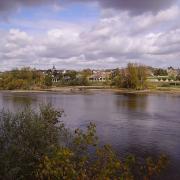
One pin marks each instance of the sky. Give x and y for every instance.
(97, 34)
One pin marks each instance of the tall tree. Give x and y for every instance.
(136, 76)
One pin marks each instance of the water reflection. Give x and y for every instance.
(22, 99)
(16, 102)
(132, 102)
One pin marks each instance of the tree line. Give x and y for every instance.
(25, 78)
(134, 77)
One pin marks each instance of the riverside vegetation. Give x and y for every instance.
(29, 79)
(24, 78)
(37, 145)
(133, 77)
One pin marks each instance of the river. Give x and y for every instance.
(142, 124)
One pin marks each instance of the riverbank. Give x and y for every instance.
(74, 89)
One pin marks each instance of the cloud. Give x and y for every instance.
(164, 16)
(133, 6)
(6, 6)
(138, 6)
(112, 41)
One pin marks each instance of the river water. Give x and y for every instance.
(143, 124)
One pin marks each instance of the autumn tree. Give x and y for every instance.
(25, 78)
(132, 77)
(48, 80)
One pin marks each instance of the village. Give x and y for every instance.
(155, 75)
(133, 76)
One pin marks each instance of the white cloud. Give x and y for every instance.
(147, 21)
(114, 40)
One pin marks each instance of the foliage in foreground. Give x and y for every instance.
(36, 145)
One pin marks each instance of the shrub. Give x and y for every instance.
(24, 78)
(165, 85)
(36, 145)
(164, 79)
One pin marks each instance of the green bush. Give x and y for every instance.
(164, 79)
(36, 145)
(24, 78)
(165, 85)
(48, 81)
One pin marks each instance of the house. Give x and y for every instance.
(99, 76)
(172, 72)
(55, 79)
(178, 72)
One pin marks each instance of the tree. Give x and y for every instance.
(142, 76)
(160, 72)
(24, 138)
(178, 78)
(24, 78)
(135, 76)
(71, 74)
(132, 76)
(117, 81)
(48, 80)
(86, 73)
